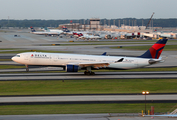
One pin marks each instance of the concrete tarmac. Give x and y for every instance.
(106, 116)
(98, 75)
(87, 98)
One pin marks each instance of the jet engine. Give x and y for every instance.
(72, 68)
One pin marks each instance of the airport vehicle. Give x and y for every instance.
(164, 115)
(46, 32)
(172, 114)
(75, 62)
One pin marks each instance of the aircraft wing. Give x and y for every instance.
(92, 64)
(95, 64)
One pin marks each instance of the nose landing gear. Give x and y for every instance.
(27, 69)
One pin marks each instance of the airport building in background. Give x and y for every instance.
(94, 24)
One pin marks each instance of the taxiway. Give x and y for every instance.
(81, 76)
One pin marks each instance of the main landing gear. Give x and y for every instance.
(89, 72)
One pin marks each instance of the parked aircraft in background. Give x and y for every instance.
(54, 30)
(66, 31)
(46, 32)
(76, 33)
(80, 34)
(75, 62)
(89, 37)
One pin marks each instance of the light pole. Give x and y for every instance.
(145, 93)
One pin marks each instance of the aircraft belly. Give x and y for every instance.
(127, 65)
(122, 66)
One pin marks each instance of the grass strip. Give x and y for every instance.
(5, 60)
(94, 86)
(167, 47)
(82, 108)
(21, 51)
(11, 66)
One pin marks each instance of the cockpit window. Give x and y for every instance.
(17, 56)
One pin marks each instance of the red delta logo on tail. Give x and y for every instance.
(156, 50)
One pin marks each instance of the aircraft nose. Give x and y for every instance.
(13, 58)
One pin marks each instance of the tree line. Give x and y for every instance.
(172, 22)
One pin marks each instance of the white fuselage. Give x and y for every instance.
(49, 32)
(62, 59)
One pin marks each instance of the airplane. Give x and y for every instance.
(46, 32)
(75, 62)
(66, 31)
(53, 30)
(75, 33)
(89, 37)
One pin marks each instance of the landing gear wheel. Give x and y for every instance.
(92, 73)
(89, 73)
(86, 73)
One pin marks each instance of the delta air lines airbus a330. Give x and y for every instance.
(75, 62)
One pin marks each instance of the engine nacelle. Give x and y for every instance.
(72, 68)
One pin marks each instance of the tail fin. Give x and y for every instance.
(32, 29)
(155, 51)
(65, 29)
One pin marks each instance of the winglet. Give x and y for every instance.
(104, 53)
(120, 60)
(156, 50)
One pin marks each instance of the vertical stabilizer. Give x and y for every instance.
(156, 50)
(32, 29)
(65, 29)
